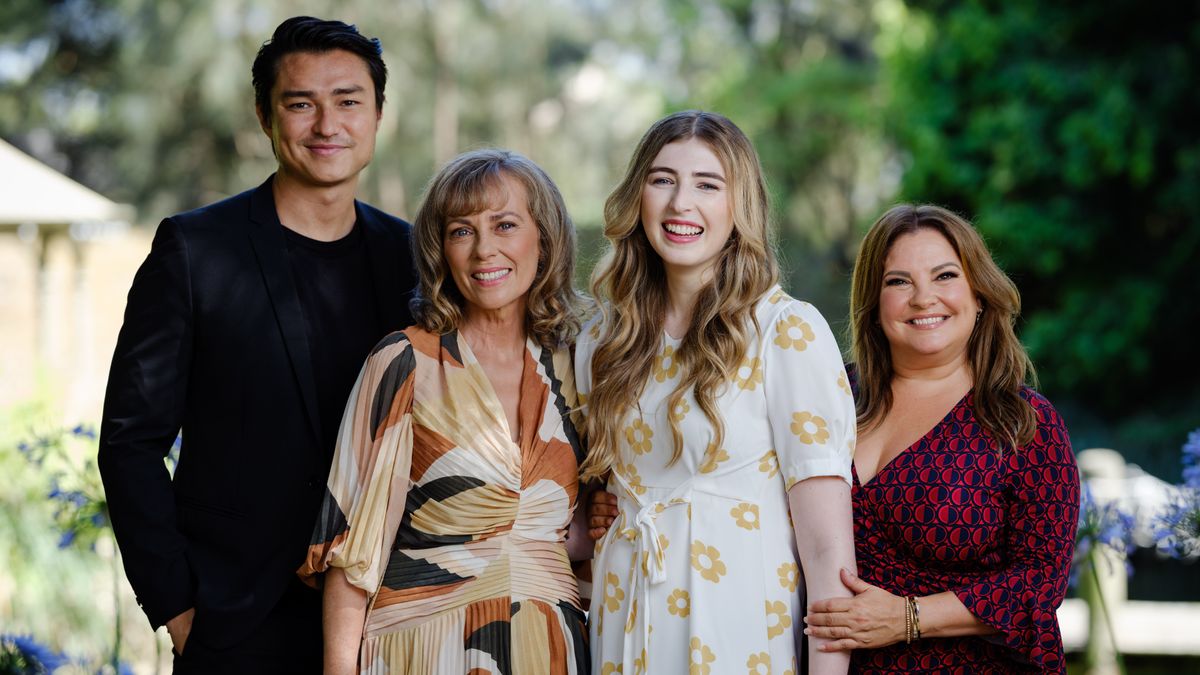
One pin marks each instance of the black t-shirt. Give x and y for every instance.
(341, 317)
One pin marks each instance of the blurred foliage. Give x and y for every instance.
(1070, 134)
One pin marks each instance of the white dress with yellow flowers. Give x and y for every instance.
(699, 574)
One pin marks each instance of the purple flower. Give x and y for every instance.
(66, 539)
(1103, 528)
(31, 656)
(1191, 461)
(1177, 528)
(84, 431)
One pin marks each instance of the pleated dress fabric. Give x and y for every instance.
(456, 532)
(699, 572)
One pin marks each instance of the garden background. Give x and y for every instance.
(1068, 132)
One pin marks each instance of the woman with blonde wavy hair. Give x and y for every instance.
(442, 541)
(717, 408)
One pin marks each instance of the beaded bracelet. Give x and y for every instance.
(908, 625)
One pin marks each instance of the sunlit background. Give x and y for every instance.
(1068, 132)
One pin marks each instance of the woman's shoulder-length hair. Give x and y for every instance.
(473, 182)
(999, 363)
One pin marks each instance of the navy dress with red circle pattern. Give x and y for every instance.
(950, 513)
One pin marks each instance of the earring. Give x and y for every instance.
(977, 315)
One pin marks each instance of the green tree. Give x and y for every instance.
(1070, 134)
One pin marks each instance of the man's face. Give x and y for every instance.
(323, 117)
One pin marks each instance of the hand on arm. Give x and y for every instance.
(601, 511)
(874, 618)
(343, 614)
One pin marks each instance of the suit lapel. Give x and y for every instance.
(270, 247)
(385, 254)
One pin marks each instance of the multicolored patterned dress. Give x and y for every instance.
(455, 531)
(699, 572)
(950, 513)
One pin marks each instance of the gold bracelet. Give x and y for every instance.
(907, 621)
(916, 616)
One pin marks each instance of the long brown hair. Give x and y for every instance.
(469, 184)
(630, 285)
(999, 364)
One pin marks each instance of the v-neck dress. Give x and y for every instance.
(951, 513)
(699, 572)
(456, 532)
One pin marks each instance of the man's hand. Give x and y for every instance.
(602, 509)
(179, 628)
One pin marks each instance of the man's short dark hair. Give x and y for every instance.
(306, 34)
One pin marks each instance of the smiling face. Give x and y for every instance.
(686, 211)
(926, 306)
(493, 255)
(323, 118)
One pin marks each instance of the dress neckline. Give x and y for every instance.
(886, 467)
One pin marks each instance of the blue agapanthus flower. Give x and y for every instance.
(1177, 527)
(1191, 461)
(23, 654)
(1104, 531)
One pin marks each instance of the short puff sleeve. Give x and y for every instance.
(369, 480)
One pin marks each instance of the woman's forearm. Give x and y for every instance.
(822, 518)
(343, 613)
(944, 615)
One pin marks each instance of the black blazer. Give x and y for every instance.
(214, 344)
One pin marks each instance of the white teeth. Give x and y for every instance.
(929, 321)
(490, 276)
(684, 230)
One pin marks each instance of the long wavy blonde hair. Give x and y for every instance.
(469, 184)
(998, 361)
(629, 284)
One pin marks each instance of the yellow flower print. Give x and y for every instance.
(746, 516)
(613, 595)
(769, 464)
(712, 458)
(843, 383)
(778, 610)
(629, 622)
(749, 375)
(809, 428)
(594, 331)
(792, 332)
(680, 410)
(610, 668)
(665, 365)
(638, 436)
(639, 663)
(679, 603)
(789, 576)
(632, 477)
(701, 656)
(759, 664)
(777, 296)
(707, 561)
(663, 542)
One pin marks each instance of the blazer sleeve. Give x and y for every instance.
(368, 482)
(143, 412)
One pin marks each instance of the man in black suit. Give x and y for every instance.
(246, 327)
